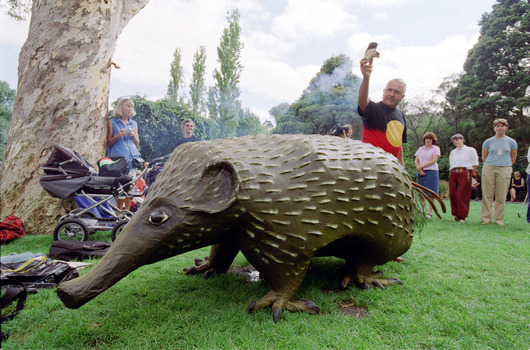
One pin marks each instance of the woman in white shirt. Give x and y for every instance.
(463, 164)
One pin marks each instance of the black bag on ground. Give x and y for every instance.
(70, 250)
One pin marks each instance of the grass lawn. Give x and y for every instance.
(466, 286)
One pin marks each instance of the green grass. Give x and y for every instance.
(466, 286)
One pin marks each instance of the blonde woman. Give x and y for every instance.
(123, 139)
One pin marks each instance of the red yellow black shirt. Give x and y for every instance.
(384, 127)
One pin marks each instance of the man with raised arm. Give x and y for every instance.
(383, 124)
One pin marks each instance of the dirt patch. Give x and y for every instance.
(348, 307)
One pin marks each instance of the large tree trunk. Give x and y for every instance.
(62, 97)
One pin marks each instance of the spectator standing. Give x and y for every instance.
(187, 128)
(123, 140)
(463, 165)
(426, 158)
(498, 154)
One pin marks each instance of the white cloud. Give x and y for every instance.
(424, 68)
(379, 3)
(304, 20)
(381, 17)
(276, 80)
(358, 43)
(145, 49)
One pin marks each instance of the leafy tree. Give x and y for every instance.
(213, 107)
(176, 80)
(279, 110)
(329, 100)
(496, 80)
(227, 77)
(197, 86)
(17, 9)
(250, 124)
(7, 98)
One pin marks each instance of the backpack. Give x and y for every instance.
(27, 272)
(35, 270)
(69, 250)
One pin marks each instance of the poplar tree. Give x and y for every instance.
(197, 86)
(176, 80)
(228, 75)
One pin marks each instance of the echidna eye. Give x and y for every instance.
(157, 217)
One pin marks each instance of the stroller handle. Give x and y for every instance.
(159, 158)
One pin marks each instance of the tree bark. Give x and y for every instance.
(62, 97)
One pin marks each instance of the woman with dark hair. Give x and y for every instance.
(426, 158)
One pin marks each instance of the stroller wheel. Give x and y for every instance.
(71, 230)
(116, 230)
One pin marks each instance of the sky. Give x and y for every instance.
(285, 44)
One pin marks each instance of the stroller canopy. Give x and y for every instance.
(66, 172)
(64, 161)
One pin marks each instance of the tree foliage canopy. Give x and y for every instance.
(17, 9)
(329, 100)
(496, 79)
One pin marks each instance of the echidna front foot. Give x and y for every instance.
(279, 303)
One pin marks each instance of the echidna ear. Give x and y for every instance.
(216, 189)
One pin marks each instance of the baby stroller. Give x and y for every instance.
(68, 174)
